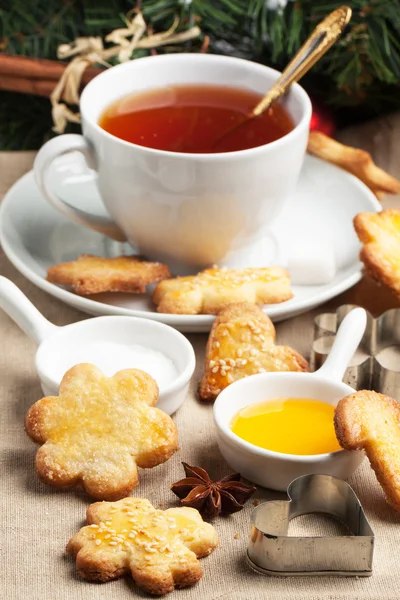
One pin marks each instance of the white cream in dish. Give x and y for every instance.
(111, 357)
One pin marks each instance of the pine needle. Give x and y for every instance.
(362, 70)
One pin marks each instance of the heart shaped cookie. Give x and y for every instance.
(242, 343)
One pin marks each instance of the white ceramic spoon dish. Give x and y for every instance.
(34, 237)
(276, 470)
(111, 343)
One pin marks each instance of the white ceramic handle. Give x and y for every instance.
(22, 311)
(346, 343)
(51, 150)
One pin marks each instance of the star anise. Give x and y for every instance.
(197, 490)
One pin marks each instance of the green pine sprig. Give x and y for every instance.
(359, 76)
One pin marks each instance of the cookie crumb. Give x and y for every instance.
(236, 536)
(256, 502)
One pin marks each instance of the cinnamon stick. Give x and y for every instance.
(38, 69)
(27, 86)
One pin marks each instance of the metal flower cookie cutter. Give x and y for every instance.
(376, 363)
(271, 551)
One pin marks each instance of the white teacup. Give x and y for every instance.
(183, 209)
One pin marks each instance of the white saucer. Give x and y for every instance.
(34, 236)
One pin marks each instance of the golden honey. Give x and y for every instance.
(289, 425)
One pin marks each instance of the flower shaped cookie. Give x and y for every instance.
(159, 548)
(98, 430)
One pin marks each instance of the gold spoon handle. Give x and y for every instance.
(321, 39)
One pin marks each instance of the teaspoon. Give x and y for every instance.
(322, 38)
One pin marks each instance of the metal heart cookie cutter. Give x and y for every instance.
(271, 551)
(376, 363)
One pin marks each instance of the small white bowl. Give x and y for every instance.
(276, 470)
(60, 345)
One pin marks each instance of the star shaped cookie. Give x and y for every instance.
(242, 343)
(95, 274)
(99, 429)
(159, 548)
(380, 235)
(211, 290)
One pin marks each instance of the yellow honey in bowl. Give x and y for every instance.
(288, 425)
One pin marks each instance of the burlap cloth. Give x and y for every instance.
(36, 521)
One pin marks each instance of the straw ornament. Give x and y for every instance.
(87, 51)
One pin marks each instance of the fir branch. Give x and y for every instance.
(361, 70)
